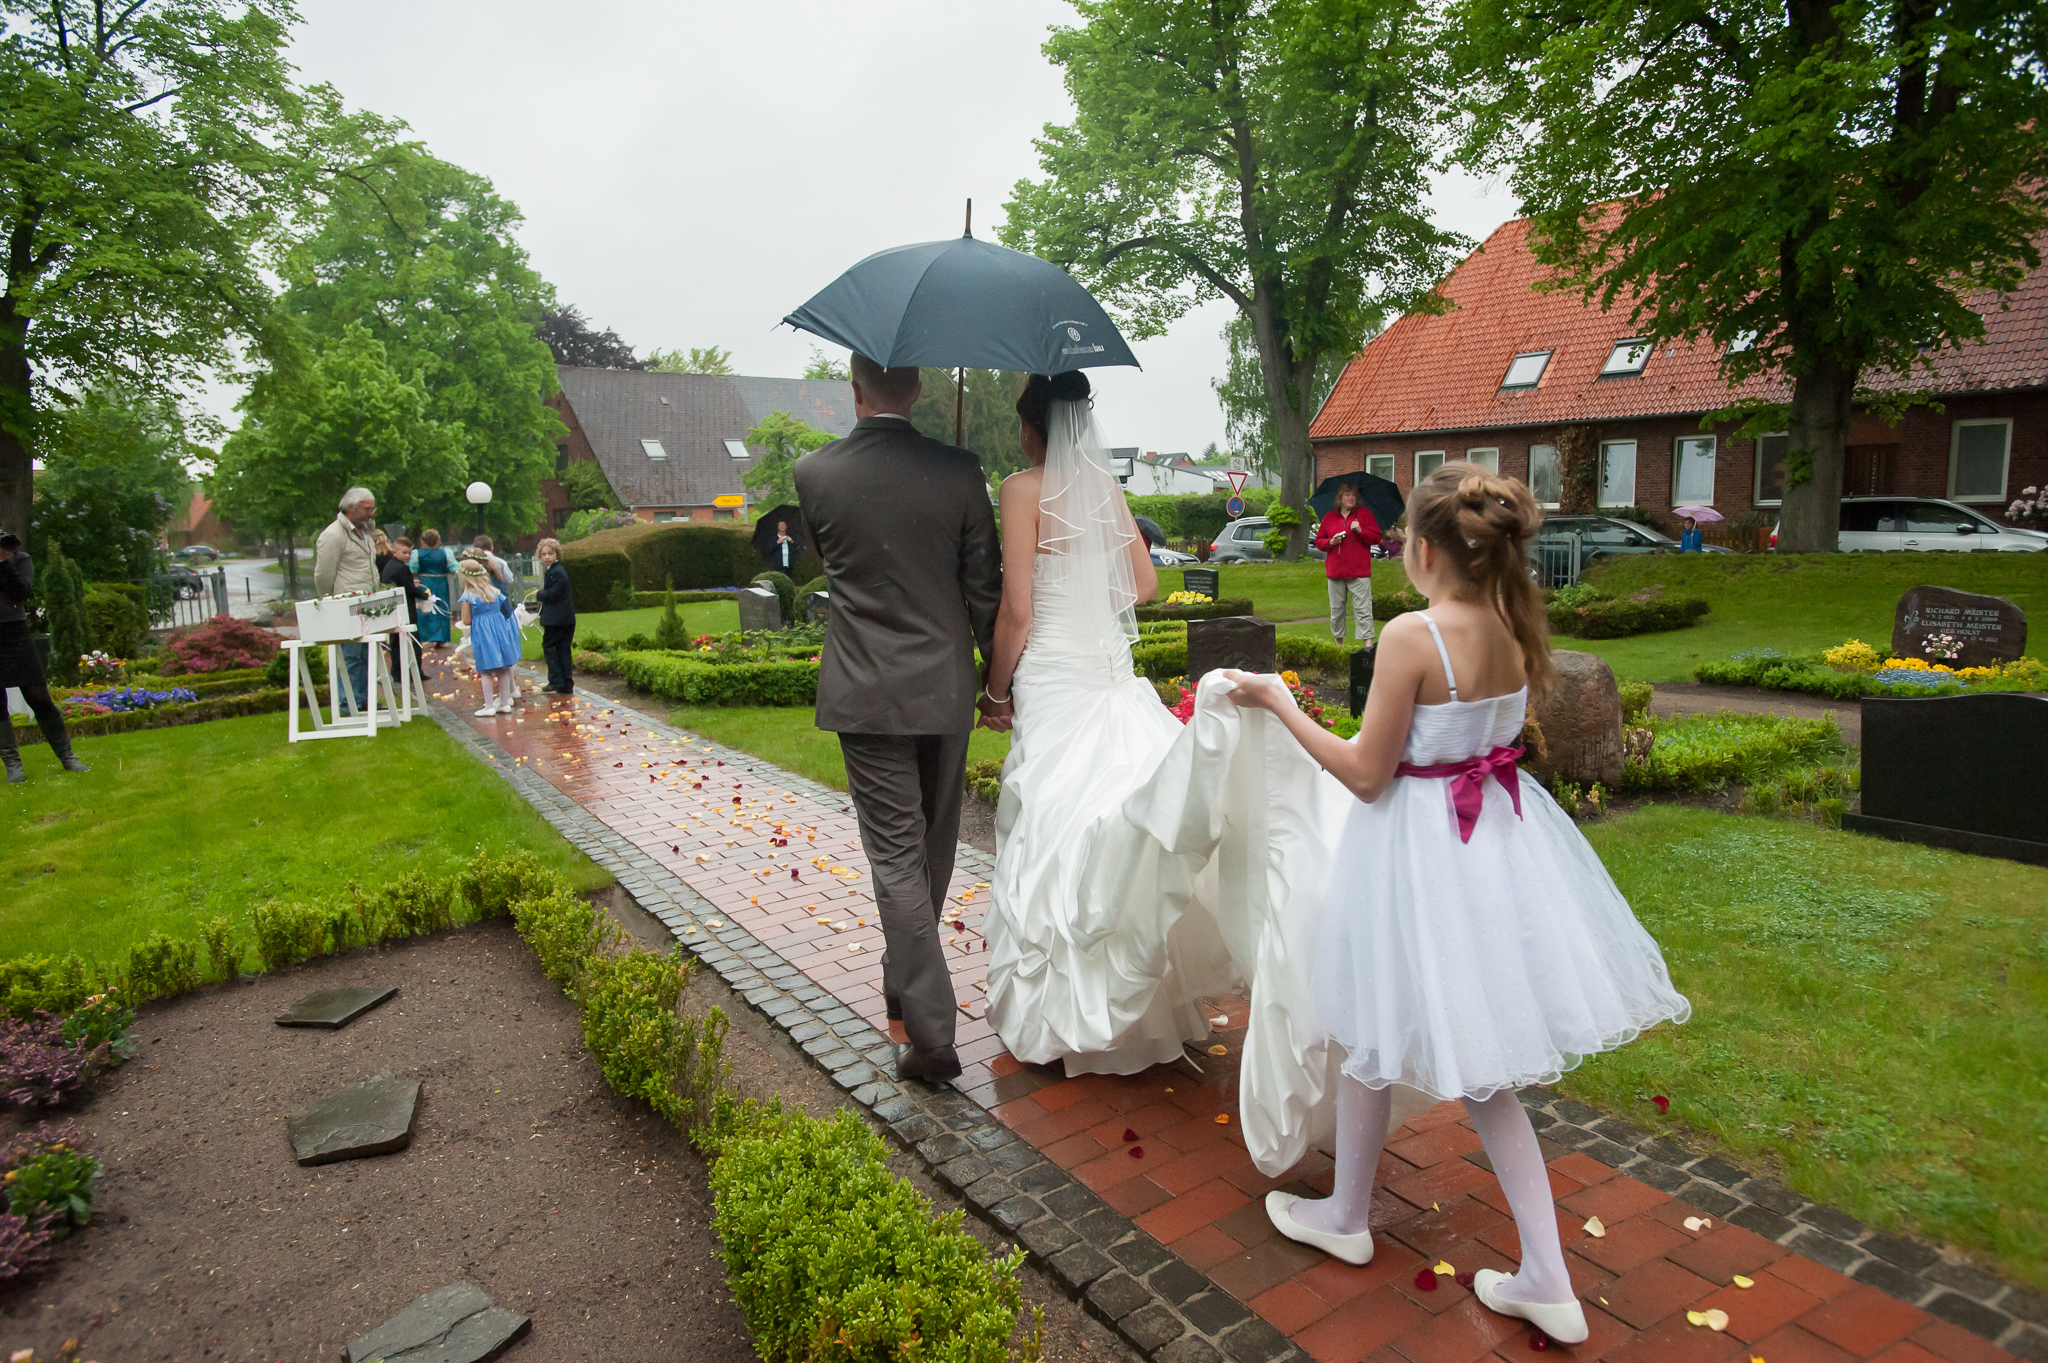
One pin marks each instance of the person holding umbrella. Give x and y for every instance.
(1347, 535)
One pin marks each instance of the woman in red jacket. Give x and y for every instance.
(1347, 535)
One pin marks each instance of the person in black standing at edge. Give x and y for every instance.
(21, 668)
(557, 617)
(394, 569)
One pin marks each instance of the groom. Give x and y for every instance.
(914, 574)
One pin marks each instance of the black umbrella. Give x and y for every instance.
(1149, 528)
(764, 535)
(1375, 494)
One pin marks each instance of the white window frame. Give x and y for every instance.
(1955, 451)
(1557, 459)
(653, 449)
(1756, 487)
(1678, 443)
(1380, 466)
(1635, 453)
(738, 449)
(1486, 456)
(1627, 345)
(1421, 455)
(1506, 380)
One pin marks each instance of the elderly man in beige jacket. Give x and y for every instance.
(345, 560)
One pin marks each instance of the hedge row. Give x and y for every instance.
(649, 556)
(1618, 619)
(1215, 610)
(678, 677)
(1164, 657)
(263, 702)
(642, 600)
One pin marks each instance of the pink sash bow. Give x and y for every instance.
(1467, 783)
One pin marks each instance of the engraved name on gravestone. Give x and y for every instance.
(1985, 630)
(1244, 642)
(1207, 581)
(760, 608)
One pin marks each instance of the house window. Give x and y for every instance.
(721, 513)
(1692, 473)
(1978, 454)
(1524, 371)
(1618, 473)
(1427, 462)
(737, 449)
(1626, 359)
(561, 456)
(1487, 459)
(654, 449)
(1546, 475)
(1770, 468)
(664, 515)
(1380, 466)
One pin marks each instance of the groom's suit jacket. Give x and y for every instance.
(908, 536)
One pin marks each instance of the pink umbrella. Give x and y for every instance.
(1702, 514)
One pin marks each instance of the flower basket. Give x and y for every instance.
(346, 619)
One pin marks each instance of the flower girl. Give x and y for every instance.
(493, 638)
(1488, 948)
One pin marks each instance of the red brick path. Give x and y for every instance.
(717, 820)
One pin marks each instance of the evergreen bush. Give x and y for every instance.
(118, 622)
(63, 596)
(669, 632)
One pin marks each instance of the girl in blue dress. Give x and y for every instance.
(493, 638)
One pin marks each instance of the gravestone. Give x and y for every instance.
(1362, 661)
(816, 607)
(1244, 642)
(1581, 722)
(1989, 629)
(760, 608)
(1207, 581)
(453, 1324)
(374, 1117)
(333, 1008)
(1967, 772)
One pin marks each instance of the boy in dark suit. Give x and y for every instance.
(557, 617)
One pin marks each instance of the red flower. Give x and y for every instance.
(1426, 1280)
(1663, 1103)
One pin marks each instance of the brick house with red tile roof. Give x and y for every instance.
(1497, 376)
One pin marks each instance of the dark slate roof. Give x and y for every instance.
(619, 408)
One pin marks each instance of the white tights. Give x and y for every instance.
(1362, 1115)
(502, 676)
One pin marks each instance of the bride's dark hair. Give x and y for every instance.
(1041, 391)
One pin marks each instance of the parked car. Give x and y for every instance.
(199, 553)
(1163, 557)
(186, 584)
(1242, 541)
(1880, 525)
(1606, 536)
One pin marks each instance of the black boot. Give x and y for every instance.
(61, 746)
(9, 754)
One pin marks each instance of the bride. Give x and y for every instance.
(1071, 976)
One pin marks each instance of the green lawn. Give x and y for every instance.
(1286, 591)
(1797, 603)
(702, 617)
(789, 737)
(174, 826)
(1870, 1019)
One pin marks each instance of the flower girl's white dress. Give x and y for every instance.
(1461, 967)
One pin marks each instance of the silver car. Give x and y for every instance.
(1880, 525)
(1242, 541)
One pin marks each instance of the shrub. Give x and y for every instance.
(593, 573)
(1635, 699)
(116, 621)
(278, 670)
(829, 1256)
(643, 1048)
(22, 1245)
(49, 1180)
(696, 555)
(1706, 752)
(1607, 618)
(1215, 610)
(216, 646)
(620, 596)
(161, 967)
(785, 593)
(566, 933)
(645, 599)
(62, 592)
(1387, 605)
(102, 1020)
(669, 631)
(39, 1067)
(595, 664)
(43, 984)
(1322, 655)
(491, 885)
(1853, 656)
(816, 584)
(1198, 516)
(687, 680)
(1281, 515)
(985, 780)
(413, 905)
(223, 952)
(287, 933)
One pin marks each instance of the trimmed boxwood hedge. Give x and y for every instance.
(644, 599)
(1618, 619)
(162, 717)
(678, 677)
(1215, 610)
(694, 555)
(1164, 657)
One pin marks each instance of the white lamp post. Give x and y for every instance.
(479, 495)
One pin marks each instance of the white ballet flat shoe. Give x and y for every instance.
(488, 710)
(505, 709)
(1564, 1322)
(1352, 1249)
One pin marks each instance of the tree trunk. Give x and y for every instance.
(17, 415)
(1287, 389)
(1810, 520)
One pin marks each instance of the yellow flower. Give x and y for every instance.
(1291, 678)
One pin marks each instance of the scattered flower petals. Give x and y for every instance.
(1137, 1152)
(1663, 1103)
(1539, 1341)
(1219, 1022)
(1464, 1280)
(1219, 1050)
(1129, 1134)
(1741, 1281)
(1223, 1119)
(1696, 1224)
(1594, 1228)
(1443, 1269)
(1426, 1280)
(1715, 1320)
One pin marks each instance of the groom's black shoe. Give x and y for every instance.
(934, 1066)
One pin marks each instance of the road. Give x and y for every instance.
(250, 589)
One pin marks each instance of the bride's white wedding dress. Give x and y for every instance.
(1142, 864)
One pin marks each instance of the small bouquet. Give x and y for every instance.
(1190, 599)
(101, 667)
(1945, 646)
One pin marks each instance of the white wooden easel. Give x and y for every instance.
(402, 697)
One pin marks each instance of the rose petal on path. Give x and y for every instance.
(1594, 1228)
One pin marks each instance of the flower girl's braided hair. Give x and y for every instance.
(1482, 523)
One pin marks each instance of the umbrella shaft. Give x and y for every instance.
(960, 398)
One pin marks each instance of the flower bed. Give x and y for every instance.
(96, 725)
(1214, 610)
(125, 700)
(1853, 670)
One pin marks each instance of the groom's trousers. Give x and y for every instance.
(906, 791)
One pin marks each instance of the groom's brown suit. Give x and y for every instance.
(914, 572)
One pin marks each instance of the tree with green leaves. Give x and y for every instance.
(575, 340)
(1247, 412)
(114, 478)
(823, 366)
(62, 590)
(587, 487)
(1815, 188)
(707, 360)
(1271, 152)
(990, 415)
(148, 154)
(785, 439)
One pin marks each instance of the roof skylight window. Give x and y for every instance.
(1525, 370)
(737, 449)
(1744, 340)
(654, 449)
(1628, 357)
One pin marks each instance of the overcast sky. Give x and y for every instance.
(691, 172)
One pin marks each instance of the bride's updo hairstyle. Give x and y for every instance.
(1041, 391)
(1482, 524)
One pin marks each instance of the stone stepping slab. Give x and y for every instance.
(333, 1008)
(453, 1324)
(374, 1117)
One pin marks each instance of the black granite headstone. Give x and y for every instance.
(453, 1324)
(1986, 630)
(374, 1117)
(1244, 642)
(332, 1008)
(815, 607)
(1967, 772)
(760, 608)
(1362, 661)
(1207, 581)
